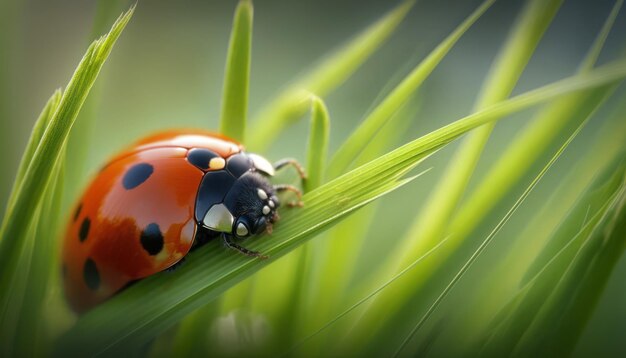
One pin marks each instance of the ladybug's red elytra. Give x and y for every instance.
(154, 202)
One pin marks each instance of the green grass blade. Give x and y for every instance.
(430, 225)
(237, 74)
(29, 192)
(336, 256)
(33, 141)
(323, 79)
(512, 167)
(592, 56)
(358, 140)
(531, 143)
(29, 327)
(317, 152)
(82, 134)
(128, 319)
(318, 144)
(481, 248)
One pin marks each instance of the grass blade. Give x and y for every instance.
(358, 140)
(33, 141)
(318, 144)
(487, 241)
(323, 79)
(36, 178)
(532, 142)
(237, 74)
(29, 327)
(430, 225)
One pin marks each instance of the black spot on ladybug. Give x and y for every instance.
(152, 239)
(77, 212)
(200, 157)
(136, 175)
(238, 164)
(91, 275)
(84, 230)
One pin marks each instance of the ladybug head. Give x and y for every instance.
(253, 203)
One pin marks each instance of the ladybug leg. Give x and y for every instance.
(292, 162)
(228, 241)
(286, 187)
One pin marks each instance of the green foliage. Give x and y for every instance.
(37, 189)
(237, 74)
(314, 299)
(322, 79)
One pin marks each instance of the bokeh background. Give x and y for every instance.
(167, 71)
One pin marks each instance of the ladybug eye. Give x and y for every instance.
(260, 225)
(242, 230)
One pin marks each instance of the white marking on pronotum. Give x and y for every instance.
(242, 230)
(266, 210)
(261, 164)
(218, 218)
(262, 194)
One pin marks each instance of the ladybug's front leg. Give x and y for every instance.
(228, 241)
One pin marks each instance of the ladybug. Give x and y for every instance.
(162, 197)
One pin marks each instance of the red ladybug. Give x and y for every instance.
(154, 202)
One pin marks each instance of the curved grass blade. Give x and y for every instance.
(487, 240)
(336, 256)
(33, 141)
(532, 142)
(29, 335)
(318, 144)
(431, 222)
(358, 140)
(323, 79)
(29, 192)
(128, 319)
(237, 74)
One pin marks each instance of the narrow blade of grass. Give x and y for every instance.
(237, 74)
(359, 139)
(28, 193)
(532, 142)
(128, 319)
(317, 150)
(512, 167)
(29, 327)
(322, 79)
(481, 248)
(336, 256)
(81, 136)
(33, 142)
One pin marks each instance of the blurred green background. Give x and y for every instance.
(167, 71)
